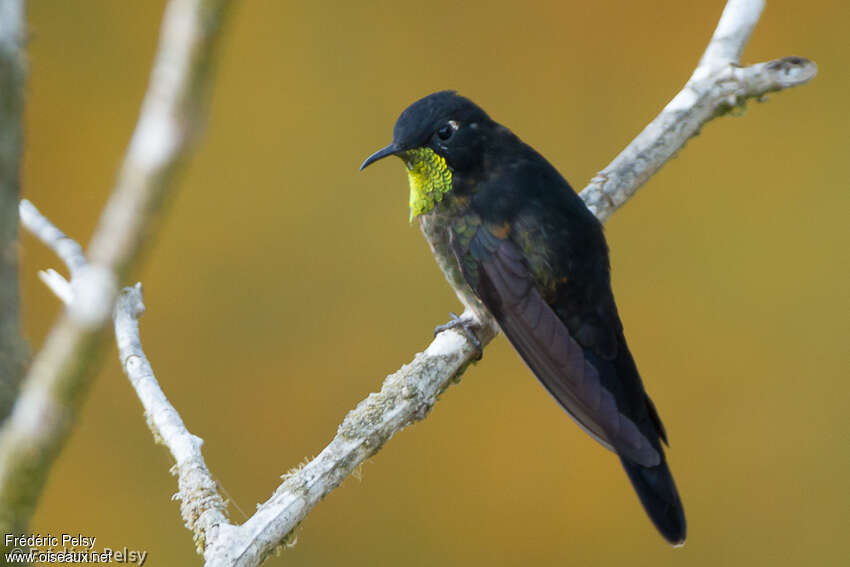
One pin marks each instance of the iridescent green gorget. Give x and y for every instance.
(430, 178)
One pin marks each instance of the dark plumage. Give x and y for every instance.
(514, 239)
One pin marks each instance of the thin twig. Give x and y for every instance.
(716, 86)
(66, 248)
(202, 507)
(60, 373)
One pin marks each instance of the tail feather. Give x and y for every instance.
(657, 493)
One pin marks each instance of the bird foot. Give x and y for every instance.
(466, 326)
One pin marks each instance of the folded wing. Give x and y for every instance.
(496, 270)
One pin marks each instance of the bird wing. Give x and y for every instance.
(496, 270)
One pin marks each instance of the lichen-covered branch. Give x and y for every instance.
(58, 378)
(717, 85)
(406, 396)
(202, 507)
(12, 78)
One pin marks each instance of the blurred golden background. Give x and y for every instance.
(284, 285)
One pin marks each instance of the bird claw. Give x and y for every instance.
(465, 326)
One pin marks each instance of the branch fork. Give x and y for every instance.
(718, 84)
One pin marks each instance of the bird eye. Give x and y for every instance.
(446, 131)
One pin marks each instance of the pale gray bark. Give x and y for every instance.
(202, 507)
(717, 85)
(58, 378)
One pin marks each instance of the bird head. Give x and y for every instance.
(436, 137)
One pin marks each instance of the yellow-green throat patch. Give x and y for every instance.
(430, 178)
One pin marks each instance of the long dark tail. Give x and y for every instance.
(657, 493)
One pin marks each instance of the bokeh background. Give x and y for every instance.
(284, 285)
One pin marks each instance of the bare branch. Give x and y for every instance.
(66, 248)
(716, 86)
(202, 508)
(57, 284)
(406, 396)
(733, 31)
(413, 390)
(170, 119)
(13, 349)
(58, 378)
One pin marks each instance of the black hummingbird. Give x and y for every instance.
(515, 241)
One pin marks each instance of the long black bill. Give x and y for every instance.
(382, 153)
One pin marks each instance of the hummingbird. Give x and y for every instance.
(520, 248)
